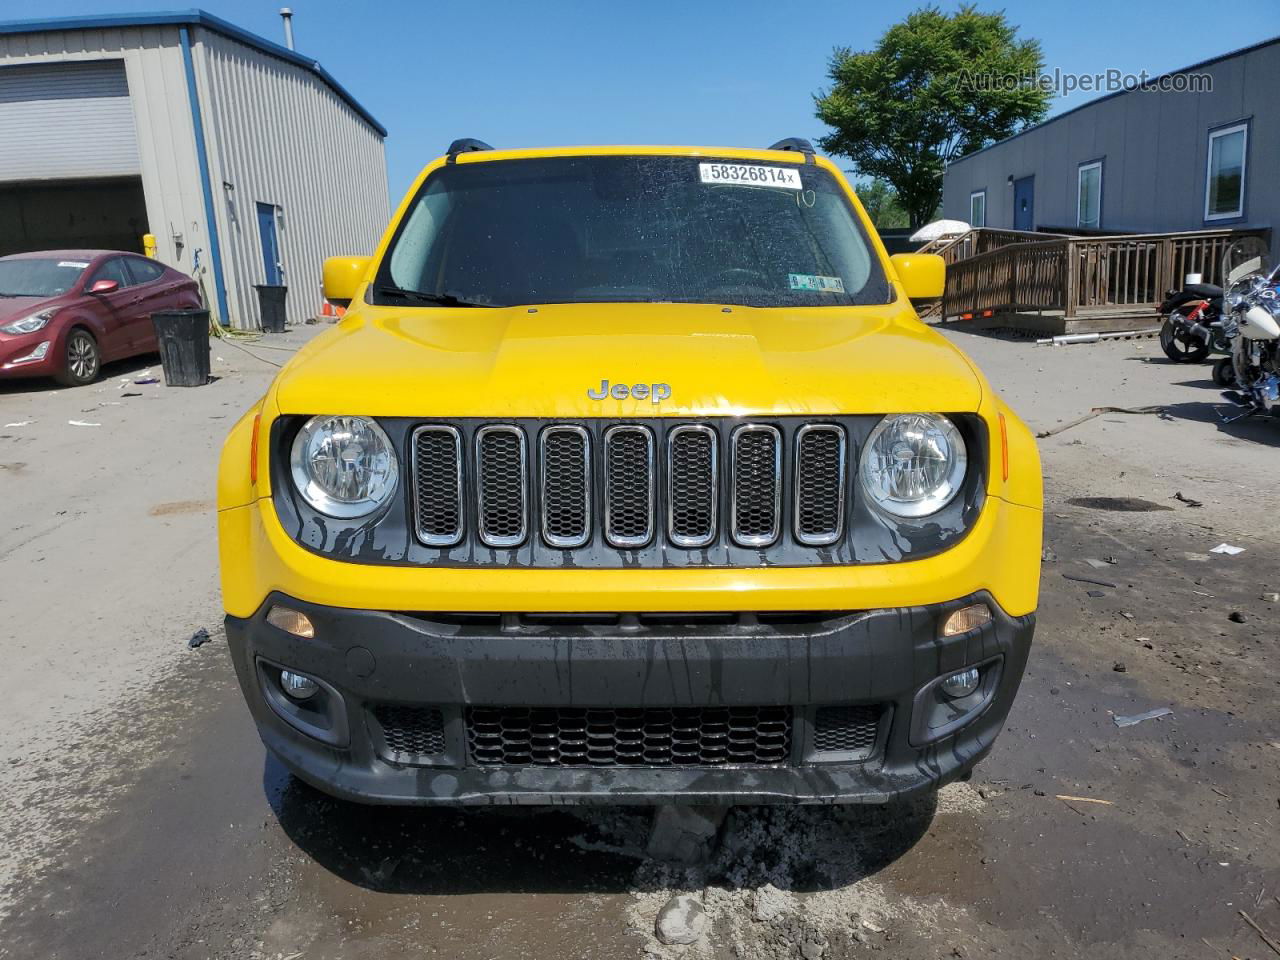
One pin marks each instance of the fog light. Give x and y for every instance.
(39, 353)
(291, 621)
(301, 687)
(967, 618)
(961, 684)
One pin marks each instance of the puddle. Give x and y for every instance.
(1118, 504)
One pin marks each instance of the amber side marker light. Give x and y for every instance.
(1004, 447)
(291, 621)
(253, 450)
(967, 618)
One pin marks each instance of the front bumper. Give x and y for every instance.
(16, 352)
(889, 659)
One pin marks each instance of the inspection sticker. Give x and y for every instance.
(72, 263)
(750, 174)
(809, 281)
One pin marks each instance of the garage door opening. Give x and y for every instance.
(109, 214)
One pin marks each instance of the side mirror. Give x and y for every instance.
(923, 275)
(104, 286)
(342, 278)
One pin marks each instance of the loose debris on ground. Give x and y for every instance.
(1159, 410)
(783, 882)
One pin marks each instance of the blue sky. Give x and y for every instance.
(729, 74)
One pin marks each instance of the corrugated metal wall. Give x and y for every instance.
(278, 135)
(1153, 147)
(161, 117)
(275, 132)
(48, 112)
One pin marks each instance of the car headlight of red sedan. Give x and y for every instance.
(29, 324)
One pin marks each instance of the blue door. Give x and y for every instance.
(274, 270)
(1024, 204)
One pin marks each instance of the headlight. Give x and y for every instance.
(30, 324)
(913, 465)
(344, 466)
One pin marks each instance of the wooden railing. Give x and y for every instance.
(980, 240)
(1085, 275)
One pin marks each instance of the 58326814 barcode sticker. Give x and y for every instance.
(750, 175)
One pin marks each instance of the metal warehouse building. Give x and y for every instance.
(248, 163)
(1198, 149)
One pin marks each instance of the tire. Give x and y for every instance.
(1186, 348)
(81, 358)
(1224, 372)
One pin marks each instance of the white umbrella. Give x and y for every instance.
(940, 228)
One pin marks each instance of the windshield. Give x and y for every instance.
(635, 228)
(39, 278)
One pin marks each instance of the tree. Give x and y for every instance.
(936, 87)
(881, 202)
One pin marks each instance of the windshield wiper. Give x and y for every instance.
(418, 296)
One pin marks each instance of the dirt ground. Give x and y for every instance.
(140, 818)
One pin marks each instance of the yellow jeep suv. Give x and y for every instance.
(630, 475)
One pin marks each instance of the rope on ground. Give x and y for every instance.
(1097, 412)
(230, 337)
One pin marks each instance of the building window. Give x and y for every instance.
(978, 208)
(1224, 181)
(1089, 195)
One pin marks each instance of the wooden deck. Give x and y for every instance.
(1080, 284)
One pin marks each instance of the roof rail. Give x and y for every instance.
(465, 145)
(796, 144)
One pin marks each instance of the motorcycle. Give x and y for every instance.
(1192, 327)
(1251, 323)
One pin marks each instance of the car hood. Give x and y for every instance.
(526, 362)
(14, 308)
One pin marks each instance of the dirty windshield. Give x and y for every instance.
(631, 229)
(30, 277)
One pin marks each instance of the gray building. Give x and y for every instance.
(248, 162)
(1140, 161)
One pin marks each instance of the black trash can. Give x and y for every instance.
(184, 346)
(271, 306)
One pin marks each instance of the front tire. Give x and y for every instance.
(82, 361)
(1180, 345)
(1224, 372)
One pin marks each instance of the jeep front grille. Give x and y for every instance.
(819, 484)
(437, 502)
(630, 486)
(693, 485)
(566, 486)
(757, 483)
(639, 736)
(502, 479)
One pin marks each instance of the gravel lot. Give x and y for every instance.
(139, 817)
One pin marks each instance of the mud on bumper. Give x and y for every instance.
(802, 708)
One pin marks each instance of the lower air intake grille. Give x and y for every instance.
(410, 732)
(640, 737)
(846, 730)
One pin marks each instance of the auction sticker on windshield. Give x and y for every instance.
(750, 174)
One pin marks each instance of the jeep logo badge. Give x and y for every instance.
(655, 392)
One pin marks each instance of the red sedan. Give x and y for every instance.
(64, 313)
